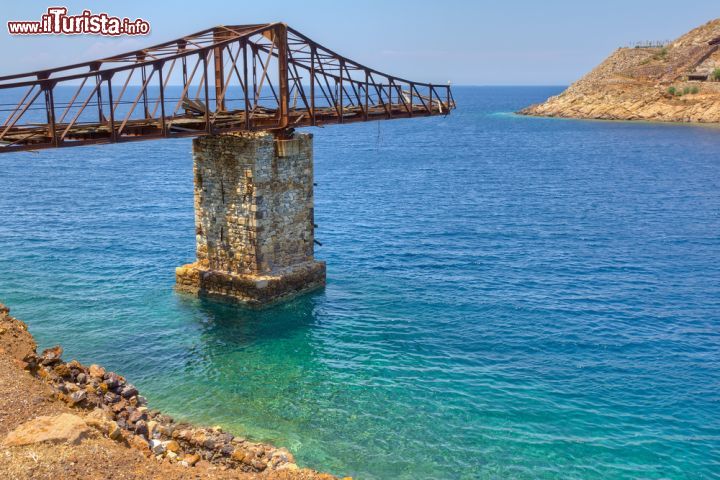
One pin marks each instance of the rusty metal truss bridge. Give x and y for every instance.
(220, 80)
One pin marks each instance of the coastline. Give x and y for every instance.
(639, 103)
(675, 82)
(73, 416)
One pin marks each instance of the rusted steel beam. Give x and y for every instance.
(144, 91)
(298, 82)
(162, 98)
(113, 135)
(50, 111)
(312, 85)
(430, 93)
(282, 48)
(135, 102)
(163, 86)
(427, 107)
(401, 97)
(133, 64)
(355, 90)
(122, 91)
(20, 114)
(245, 87)
(253, 52)
(344, 93)
(208, 127)
(378, 91)
(234, 61)
(19, 105)
(72, 100)
(367, 94)
(220, 100)
(329, 90)
(264, 75)
(183, 95)
(101, 117)
(77, 115)
(219, 73)
(340, 95)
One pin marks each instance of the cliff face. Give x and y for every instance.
(674, 83)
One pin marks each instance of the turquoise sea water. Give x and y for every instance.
(507, 297)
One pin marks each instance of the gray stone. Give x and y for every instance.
(111, 397)
(51, 356)
(111, 380)
(227, 449)
(157, 446)
(78, 396)
(136, 416)
(141, 428)
(129, 391)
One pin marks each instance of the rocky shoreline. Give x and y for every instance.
(676, 82)
(106, 404)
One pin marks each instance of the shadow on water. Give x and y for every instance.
(232, 345)
(240, 325)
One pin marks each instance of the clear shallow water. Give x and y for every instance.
(507, 297)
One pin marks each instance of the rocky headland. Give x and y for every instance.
(676, 82)
(66, 420)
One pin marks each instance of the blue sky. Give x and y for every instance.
(510, 42)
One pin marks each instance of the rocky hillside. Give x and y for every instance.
(673, 83)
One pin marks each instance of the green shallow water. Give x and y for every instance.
(507, 297)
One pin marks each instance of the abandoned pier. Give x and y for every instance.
(253, 219)
(240, 91)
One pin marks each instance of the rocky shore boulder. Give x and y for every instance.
(64, 428)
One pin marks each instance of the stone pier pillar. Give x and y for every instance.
(253, 219)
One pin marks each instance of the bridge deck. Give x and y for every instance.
(33, 137)
(223, 79)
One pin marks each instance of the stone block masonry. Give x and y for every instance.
(254, 219)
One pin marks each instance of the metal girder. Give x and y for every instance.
(232, 78)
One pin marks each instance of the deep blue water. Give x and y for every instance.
(507, 297)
